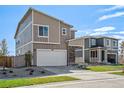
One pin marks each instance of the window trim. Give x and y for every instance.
(43, 26)
(93, 43)
(109, 42)
(116, 43)
(65, 32)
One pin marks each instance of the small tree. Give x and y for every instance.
(122, 51)
(4, 50)
(28, 58)
(122, 48)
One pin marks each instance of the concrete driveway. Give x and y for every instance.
(88, 79)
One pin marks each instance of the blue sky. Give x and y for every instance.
(88, 20)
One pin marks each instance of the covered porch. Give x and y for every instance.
(98, 55)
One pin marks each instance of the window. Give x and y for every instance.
(108, 42)
(17, 42)
(43, 30)
(93, 41)
(115, 43)
(93, 54)
(64, 31)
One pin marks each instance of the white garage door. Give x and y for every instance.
(46, 57)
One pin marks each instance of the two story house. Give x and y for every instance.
(100, 49)
(45, 36)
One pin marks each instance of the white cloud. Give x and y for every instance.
(121, 32)
(98, 33)
(114, 8)
(117, 14)
(118, 37)
(103, 29)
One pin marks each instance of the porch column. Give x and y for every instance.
(83, 51)
(105, 60)
(99, 55)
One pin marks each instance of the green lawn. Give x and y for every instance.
(105, 68)
(118, 73)
(33, 81)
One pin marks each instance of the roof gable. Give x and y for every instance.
(30, 11)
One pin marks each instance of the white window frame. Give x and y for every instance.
(65, 31)
(109, 42)
(116, 43)
(93, 42)
(43, 26)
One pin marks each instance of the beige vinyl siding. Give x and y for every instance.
(76, 42)
(48, 46)
(41, 19)
(68, 35)
(72, 34)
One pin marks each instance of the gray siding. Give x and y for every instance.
(25, 23)
(24, 36)
(24, 49)
(111, 44)
(87, 58)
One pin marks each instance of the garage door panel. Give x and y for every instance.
(51, 58)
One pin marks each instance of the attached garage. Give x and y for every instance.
(48, 57)
(111, 58)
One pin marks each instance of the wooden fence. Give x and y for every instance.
(6, 61)
(12, 61)
(19, 61)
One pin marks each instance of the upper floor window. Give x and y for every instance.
(43, 30)
(108, 42)
(115, 43)
(93, 41)
(64, 31)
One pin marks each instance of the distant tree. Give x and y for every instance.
(122, 51)
(122, 48)
(4, 50)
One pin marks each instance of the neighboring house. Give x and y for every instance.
(100, 49)
(46, 37)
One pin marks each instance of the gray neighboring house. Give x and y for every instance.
(46, 37)
(100, 49)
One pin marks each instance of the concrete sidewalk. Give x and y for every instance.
(87, 79)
